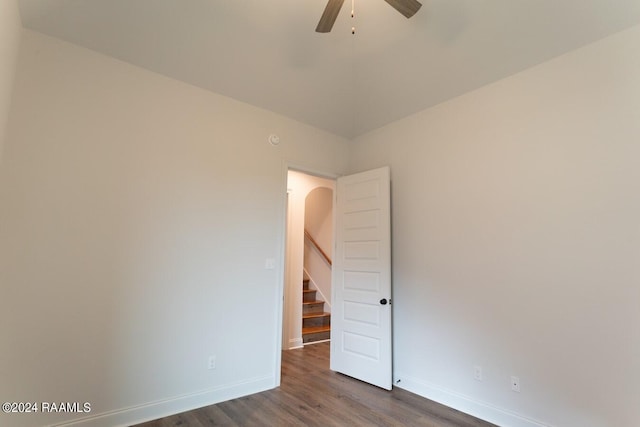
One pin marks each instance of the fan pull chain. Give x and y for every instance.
(353, 14)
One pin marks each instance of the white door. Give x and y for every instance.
(361, 303)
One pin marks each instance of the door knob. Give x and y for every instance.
(383, 301)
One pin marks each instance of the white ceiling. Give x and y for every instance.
(266, 52)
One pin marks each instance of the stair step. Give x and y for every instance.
(312, 307)
(317, 333)
(316, 315)
(305, 284)
(315, 329)
(308, 295)
(315, 320)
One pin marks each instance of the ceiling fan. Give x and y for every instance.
(406, 7)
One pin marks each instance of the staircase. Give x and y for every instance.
(316, 323)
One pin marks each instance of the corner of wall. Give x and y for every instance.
(10, 33)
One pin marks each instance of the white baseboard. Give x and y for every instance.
(466, 404)
(295, 343)
(162, 408)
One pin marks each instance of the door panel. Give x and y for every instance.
(361, 325)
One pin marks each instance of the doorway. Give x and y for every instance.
(308, 252)
(361, 345)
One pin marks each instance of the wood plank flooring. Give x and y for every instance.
(312, 395)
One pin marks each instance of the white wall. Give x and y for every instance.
(299, 185)
(516, 242)
(318, 217)
(10, 30)
(136, 216)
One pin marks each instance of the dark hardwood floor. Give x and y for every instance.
(312, 395)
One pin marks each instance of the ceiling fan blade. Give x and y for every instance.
(329, 16)
(406, 7)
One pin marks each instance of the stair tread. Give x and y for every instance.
(316, 329)
(312, 315)
(309, 290)
(313, 302)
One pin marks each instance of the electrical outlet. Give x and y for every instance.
(477, 372)
(212, 362)
(515, 384)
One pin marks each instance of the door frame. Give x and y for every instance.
(282, 246)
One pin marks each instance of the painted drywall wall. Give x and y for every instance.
(318, 217)
(299, 185)
(10, 29)
(137, 217)
(516, 242)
